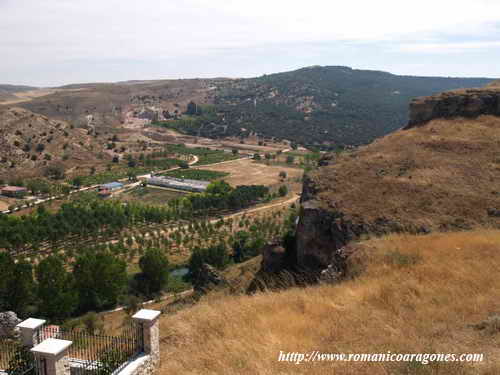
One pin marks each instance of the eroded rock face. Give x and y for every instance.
(465, 103)
(320, 234)
(209, 278)
(273, 257)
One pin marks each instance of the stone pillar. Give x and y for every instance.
(30, 331)
(150, 332)
(51, 356)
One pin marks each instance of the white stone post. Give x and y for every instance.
(51, 356)
(30, 331)
(150, 332)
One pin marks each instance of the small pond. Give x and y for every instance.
(179, 272)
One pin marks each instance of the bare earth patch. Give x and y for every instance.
(248, 172)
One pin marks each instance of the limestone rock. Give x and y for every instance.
(209, 278)
(8, 323)
(463, 103)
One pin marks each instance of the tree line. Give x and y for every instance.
(96, 280)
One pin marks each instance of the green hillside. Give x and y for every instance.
(318, 105)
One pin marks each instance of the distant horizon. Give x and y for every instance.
(235, 77)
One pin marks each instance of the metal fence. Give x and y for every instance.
(101, 353)
(17, 360)
(8, 349)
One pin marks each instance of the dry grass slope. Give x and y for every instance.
(29, 142)
(413, 294)
(444, 175)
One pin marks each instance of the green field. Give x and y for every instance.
(196, 174)
(205, 155)
(152, 196)
(121, 171)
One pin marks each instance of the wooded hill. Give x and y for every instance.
(331, 104)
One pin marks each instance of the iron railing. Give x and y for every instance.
(8, 349)
(101, 353)
(16, 359)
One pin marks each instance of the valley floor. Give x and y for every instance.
(405, 294)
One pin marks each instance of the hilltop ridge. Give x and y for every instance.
(321, 106)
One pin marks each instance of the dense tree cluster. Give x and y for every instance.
(96, 281)
(221, 196)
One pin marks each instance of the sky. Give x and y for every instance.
(56, 42)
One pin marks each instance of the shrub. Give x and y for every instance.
(397, 258)
(283, 190)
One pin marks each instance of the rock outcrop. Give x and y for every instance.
(463, 103)
(273, 257)
(209, 278)
(321, 233)
(8, 323)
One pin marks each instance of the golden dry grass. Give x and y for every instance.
(444, 175)
(428, 305)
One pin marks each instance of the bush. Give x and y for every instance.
(283, 190)
(183, 165)
(399, 259)
(92, 323)
(55, 171)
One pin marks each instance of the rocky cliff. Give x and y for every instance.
(463, 103)
(443, 175)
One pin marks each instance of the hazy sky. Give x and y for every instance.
(54, 42)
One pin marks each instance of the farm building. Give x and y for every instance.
(179, 184)
(112, 186)
(14, 191)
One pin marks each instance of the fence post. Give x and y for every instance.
(51, 356)
(150, 332)
(30, 329)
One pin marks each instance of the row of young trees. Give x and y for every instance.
(87, 216)
(242, 246)
(73, 282)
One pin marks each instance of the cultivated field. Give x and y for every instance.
(247, 172)
(149, 195)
